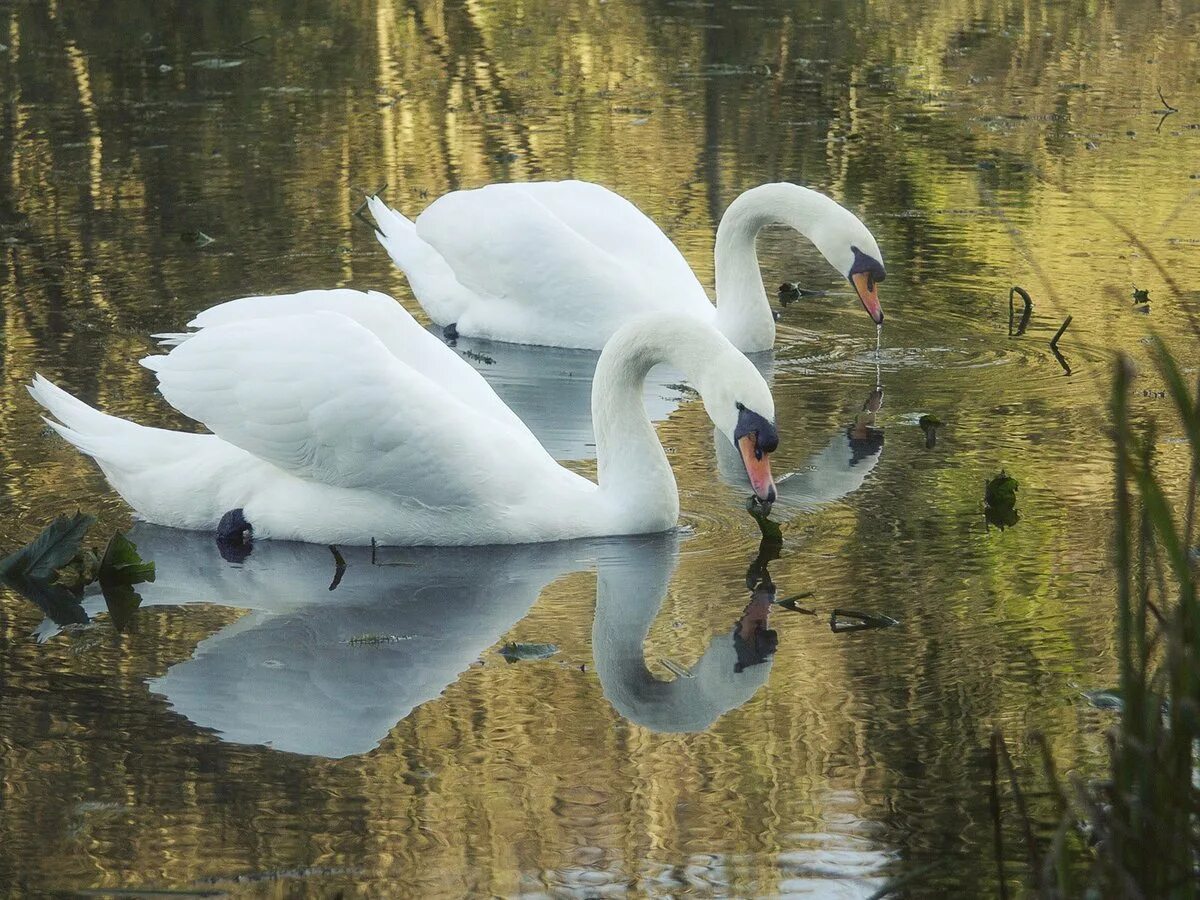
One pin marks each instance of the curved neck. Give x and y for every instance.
(634, 475)
(743, 311)
(629, 593)
(632, 468)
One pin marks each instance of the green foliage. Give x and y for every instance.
(1001, 491)
(122, 565)
(53, 569)
(54, 548)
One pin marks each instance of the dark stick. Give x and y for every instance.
(1164, 101)
(1054, 341)
(1028, 311)
(339, 570)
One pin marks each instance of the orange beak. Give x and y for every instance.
(864, 286)
(758, 468)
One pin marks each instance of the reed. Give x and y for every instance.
(1137, 834)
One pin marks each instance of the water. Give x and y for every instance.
(244, 738)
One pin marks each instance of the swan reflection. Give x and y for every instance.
(835, 471)
(293, 672)
(550, 389)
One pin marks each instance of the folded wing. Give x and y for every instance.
(385, 318)
(319, 395)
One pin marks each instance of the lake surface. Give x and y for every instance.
(254, 733)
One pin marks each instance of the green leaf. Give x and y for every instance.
(53, 548)
(59, 604)
(122, 565)
(1001, 491)
(122, 602)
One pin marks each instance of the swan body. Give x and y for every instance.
(567, 263)
(336, 418)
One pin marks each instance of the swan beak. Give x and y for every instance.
(864, 286)
(758, 468)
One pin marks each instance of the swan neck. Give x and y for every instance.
(744, 312)
(632, 466)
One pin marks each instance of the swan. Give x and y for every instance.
(567, 263)
(336, 418)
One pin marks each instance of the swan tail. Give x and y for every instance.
(433, 282)
(169, 339)
(157, 472)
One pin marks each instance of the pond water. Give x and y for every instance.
(253, 732)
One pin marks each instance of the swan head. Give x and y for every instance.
(739, 403)
(842, 239)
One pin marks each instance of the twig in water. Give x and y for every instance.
(339, 570)
(374, 559)
(358, 213)
(1169, 110)
(245, 45)
(1062, 361)
(1026, 313)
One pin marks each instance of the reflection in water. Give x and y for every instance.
(323, 673)
(732, 668)
(832, 473)
(550, 390)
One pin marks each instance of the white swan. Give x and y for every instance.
(337, 419)
(566, 263)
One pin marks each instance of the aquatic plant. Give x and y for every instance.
(1136, 834)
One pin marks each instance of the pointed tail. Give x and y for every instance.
(433, 281)
(164, 475)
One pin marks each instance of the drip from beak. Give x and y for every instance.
(864, 286)
(758, 468)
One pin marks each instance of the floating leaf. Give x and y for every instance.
(122, 565)
(59, 604)
(859, 621)
(54, 548)
(122, 602)
(771, 530)
(79, 572)
(515, 652)
(1001, 491)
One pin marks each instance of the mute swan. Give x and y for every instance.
(336, 418)
(566, 263)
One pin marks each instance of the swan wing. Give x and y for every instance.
(385, 318)
(616, 226)
(548, 262)
(320, 396)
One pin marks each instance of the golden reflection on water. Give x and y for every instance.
(985, 143)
